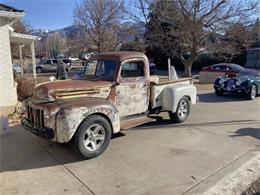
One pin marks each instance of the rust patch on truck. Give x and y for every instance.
(72, 114)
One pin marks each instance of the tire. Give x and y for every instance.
(252, 92)
(38, 70)
(182, 111)
(85, 142)
(219, 93)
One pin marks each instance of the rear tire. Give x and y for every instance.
(252, 93)
(93, 137)
(182, 111)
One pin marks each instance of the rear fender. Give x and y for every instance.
(172, 95)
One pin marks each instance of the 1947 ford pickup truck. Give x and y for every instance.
(115, 92)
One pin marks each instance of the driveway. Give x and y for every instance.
(221, 134)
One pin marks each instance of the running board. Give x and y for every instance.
(135, 121)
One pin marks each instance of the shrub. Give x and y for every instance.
(25, 86)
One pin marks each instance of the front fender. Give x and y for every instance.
(74, 112)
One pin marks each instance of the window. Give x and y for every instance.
(220, 68)
(100, 70)
(55, 61)
(47, 62)
(132, 69)
(66, 61)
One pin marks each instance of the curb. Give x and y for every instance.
(232, 179)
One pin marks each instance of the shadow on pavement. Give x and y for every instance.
(212, 97)
(21, 150)
(160, 122)
(253, 132)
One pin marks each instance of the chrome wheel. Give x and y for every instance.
(253, 92)
(94, 137)
(183, 109)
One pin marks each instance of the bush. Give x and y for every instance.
(25, 87)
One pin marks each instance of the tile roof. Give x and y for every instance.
(8, 8)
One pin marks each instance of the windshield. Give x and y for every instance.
(236, 67)
(249, 72)
(100, 70)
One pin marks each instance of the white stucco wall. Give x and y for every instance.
(8, 95)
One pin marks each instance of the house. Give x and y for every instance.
(8, 95)
(253, 58)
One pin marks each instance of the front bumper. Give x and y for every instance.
(41, 131)
(236, 90)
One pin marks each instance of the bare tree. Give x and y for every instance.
(20, 27)
(138, 10)
(184, 27)
(236, 38)
(100, 20)
(55, 44)
(50, 46)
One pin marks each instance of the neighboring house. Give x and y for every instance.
(253, 58)
(8, 95)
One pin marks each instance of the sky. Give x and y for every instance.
(45, 14)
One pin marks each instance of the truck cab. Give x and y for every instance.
(115, 92)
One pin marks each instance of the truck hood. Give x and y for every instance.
(51, 91)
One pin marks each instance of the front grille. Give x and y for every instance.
(230, 84)
(35, 117)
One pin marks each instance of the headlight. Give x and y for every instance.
(47, 116)
(221, 81)
(238, 83)
(23, 110)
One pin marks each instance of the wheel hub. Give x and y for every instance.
(94, 137)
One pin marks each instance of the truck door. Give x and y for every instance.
(132, 89)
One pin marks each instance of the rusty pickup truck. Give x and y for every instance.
(114, 92)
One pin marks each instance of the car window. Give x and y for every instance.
(66, 61)
(55, 61)
(132, 69)
(47, 62)
(220, 68)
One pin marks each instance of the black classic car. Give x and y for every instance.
(247, 82)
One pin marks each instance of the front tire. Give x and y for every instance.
(219, 92)
(93, 137)
(252, 93)
(182, 111)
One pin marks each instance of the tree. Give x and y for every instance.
(50, 46)
(20, 27)
(186, 28)
(100, 19)
(55, 44)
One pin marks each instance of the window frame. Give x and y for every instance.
(127, 79)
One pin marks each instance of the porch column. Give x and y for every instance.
(21, 58)
(33, 59)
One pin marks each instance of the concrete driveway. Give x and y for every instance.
(221, 134)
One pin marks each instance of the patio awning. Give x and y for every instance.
(22, 38)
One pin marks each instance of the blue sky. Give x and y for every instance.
(45, 14)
